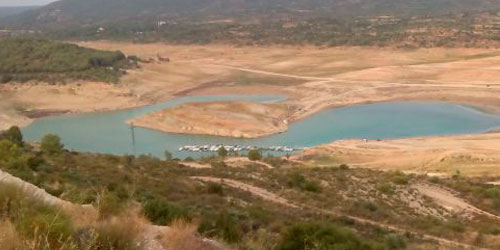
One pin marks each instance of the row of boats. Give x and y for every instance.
(234, 148)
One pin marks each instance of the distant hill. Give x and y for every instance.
(413, 23)
(92, 12)
(35, 59)
(10, 11)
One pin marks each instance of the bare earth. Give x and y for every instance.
(470, 155)
(236, 119)
(312, 78)
(317, 78)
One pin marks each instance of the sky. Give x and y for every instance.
(4, 3)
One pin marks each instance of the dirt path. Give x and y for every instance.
(195, 165)
(239, 160)
(262, 72)
(262, 193)
(266, 195)
(449, 201)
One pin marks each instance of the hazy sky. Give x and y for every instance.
(24, 2)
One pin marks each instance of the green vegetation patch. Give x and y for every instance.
(50, 61)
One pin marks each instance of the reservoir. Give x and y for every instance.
(107, 132)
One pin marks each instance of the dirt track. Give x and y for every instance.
(266, 195)
(446, 199)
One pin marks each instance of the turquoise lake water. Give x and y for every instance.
(107, 132)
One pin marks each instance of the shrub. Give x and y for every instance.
(161, 212)
(455, 225)
(395, 241)
(386, 188)
(344, 167)
(108, 204)
(119, 234)
(14, 135)
(182, 235)
(300, 181)
(222, 152)
(254, 155)
(320, 236)
(370, 206)
(218, 164)
(214, 188)
(224, 226)
(400, 180)
(51, 144)
(6, 78)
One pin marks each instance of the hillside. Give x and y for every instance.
(422, 23)
(98, 11)
(248, 206)
(10, 11)
(33, 59)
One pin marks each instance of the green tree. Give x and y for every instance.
(14, 135)
(51, 144)
(9, 152)
(222, 152)
(254, 155)
(168, 155)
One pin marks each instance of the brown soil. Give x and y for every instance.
(237, 119)
(469, 155)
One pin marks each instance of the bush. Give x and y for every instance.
(300, 181)
(214, 188)
(34, 220)
(14, 135)
(5, 78)
(218, 164)
(168, 155)
(224, 226)
(400, 180)
(112, 235)
(161, 212)
(108, 204)
(343, 167)
(222, 152)
(51, 144)
(385, 188)
(395, 241)
(254, 155)
(320, 236)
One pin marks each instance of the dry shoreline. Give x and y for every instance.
(314, 79)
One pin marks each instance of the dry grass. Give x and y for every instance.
(9, 238)
(183, 235)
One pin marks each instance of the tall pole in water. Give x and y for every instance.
(132, 133)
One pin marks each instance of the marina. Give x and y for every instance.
(235, 148)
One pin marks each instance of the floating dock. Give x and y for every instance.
(235, 148)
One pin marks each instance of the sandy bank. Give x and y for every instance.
(21, 103)
(235, 119)
(469, 155)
